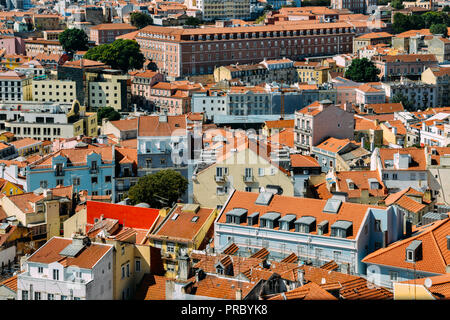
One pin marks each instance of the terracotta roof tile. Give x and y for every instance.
(11, 283)
(435, 256)
(87, 258)
(152, 287)
(299, 160)
(309, 291)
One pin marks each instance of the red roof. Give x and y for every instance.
(128, 216)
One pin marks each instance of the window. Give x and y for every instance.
(393, 275)
(378, 225)
(128, 269)
(260, 172)
(76, 181)
(50, 296)
(24, 294)
(394, 176)
(94, 180)
(123, 250)
(63, 297)
(59, 182)
(123, 271)
(40, 270)
(137, 266)
(43, 184)
(248, 189)
(170, 247)
(108, 179)
(55, 274)
(37, 295)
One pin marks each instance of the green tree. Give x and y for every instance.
(193, 21)
(439, 29)
(397, 4)
(362, 70)
(73, 40)
(159, 189)
(107, 112)
(122, 54)
(407, 104)
(446, 9)
(140, 20)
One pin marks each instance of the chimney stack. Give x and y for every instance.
(239, 294)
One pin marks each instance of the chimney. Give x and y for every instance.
(48, 194)
(239, 294)
(301, 276)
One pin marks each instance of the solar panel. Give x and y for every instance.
(71, 250)
(264, 198)
(332, 206)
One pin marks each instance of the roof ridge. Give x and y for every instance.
(437, 245)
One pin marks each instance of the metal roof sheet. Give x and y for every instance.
(342, 224)
(306, 220)
(271, 216)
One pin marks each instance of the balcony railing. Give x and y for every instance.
(219, 178)
(248, 178)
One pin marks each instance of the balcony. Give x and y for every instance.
(59, 173)
(248, 179)
(306, 130)
(93, 170)
(220, 179)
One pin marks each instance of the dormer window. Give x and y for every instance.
(287, 222)
(305, 224)
(236, 216)
(414, 251)
(270, 220)
(342, 229)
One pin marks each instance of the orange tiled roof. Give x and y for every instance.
(361, 182)
(435, 255)
(151, 126)
(152, 287)
(113, 26)
(87, 258)
(280, 124)
(284, 137)
(418, 160)
(126, 124)
(440, 286)
(183, 228)
(299, 160)
(25, 142)
(333, 144)
(10, 283)
(215, 287)
(290, 205)
(381, 108)
(309, 291)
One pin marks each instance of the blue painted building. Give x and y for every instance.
(424, 253)
(317, 231)
(86, 167)
(164, 142)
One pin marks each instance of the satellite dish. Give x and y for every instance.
(428, 282)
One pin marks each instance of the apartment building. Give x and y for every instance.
(54, 90)
(15, 86)
(108, 89)
(42, 212)
(401, 168)
(225, 9)
(86, 167)
(107, 32)
(47, 120)
(310, 129)
(372, 39)
(244, 165)
(424, 95)
(68, 269)
(162, 143)
(356, 6)
(316, 231)
(179, 52)
(404, 65)
(281, 70)
(141, 84)
(35, 46)
(439, 76)
(185, 228)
